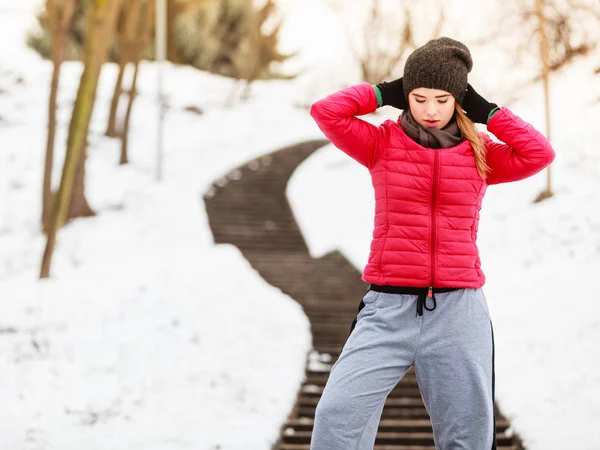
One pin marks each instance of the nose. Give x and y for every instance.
(431, 110)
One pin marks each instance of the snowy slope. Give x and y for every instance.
(148, 336)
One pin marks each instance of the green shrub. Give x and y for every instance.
(41, 40)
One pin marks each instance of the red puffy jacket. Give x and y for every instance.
(427, 201)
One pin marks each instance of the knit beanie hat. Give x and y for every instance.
(440, 64)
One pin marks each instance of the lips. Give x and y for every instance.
(431, 123)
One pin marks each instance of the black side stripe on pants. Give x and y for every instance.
(493, 388)
(361, 305)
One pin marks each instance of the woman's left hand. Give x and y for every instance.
(477, 108)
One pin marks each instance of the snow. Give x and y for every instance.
(148, 335)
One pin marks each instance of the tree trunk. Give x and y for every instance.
(125, 136)
(111, 128)
(539, 10)
(78, 205)
(101, 19)
(126, 38)
(58, 26)
(173, 10)
(144, 35)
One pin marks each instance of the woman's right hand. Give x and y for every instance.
(392, 93)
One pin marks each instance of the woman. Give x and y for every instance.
(425, 306)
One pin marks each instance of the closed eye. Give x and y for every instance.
(439, 101)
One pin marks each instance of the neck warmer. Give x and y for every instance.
(449, 136)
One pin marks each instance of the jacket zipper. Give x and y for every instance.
(434, 192)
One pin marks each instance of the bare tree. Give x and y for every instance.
(376, 56)
(144, 34)
(59, 18)
(563, 29)
(378, 63)
(566, 35)
(172, 12)
(126, 39)
(571, 28)
(79, 206)
(544, 54)
(101, 23)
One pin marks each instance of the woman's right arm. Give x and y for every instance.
(336, 117)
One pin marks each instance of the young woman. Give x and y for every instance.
(425, 306)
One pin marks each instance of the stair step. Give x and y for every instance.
(377, 447)
(386, 425)
(386, 438)
(388, 413)
(390, 402)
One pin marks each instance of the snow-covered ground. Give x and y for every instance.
(148, 336)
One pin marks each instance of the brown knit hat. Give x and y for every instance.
(440, 64)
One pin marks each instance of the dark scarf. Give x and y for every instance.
(449, 136)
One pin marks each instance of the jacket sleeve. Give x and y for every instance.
(524, 153)
(336, 117)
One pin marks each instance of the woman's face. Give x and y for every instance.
(431, 108)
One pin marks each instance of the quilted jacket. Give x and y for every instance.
(427, 201)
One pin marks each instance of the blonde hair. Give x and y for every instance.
(470, 132)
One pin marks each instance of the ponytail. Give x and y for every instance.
(470, 132)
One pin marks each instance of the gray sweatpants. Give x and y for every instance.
(452, 351)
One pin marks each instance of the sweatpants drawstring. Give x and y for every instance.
(421, 292)
(422, 301)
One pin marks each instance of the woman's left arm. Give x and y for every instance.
(523, 153)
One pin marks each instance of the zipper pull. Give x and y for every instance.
(430, 292)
